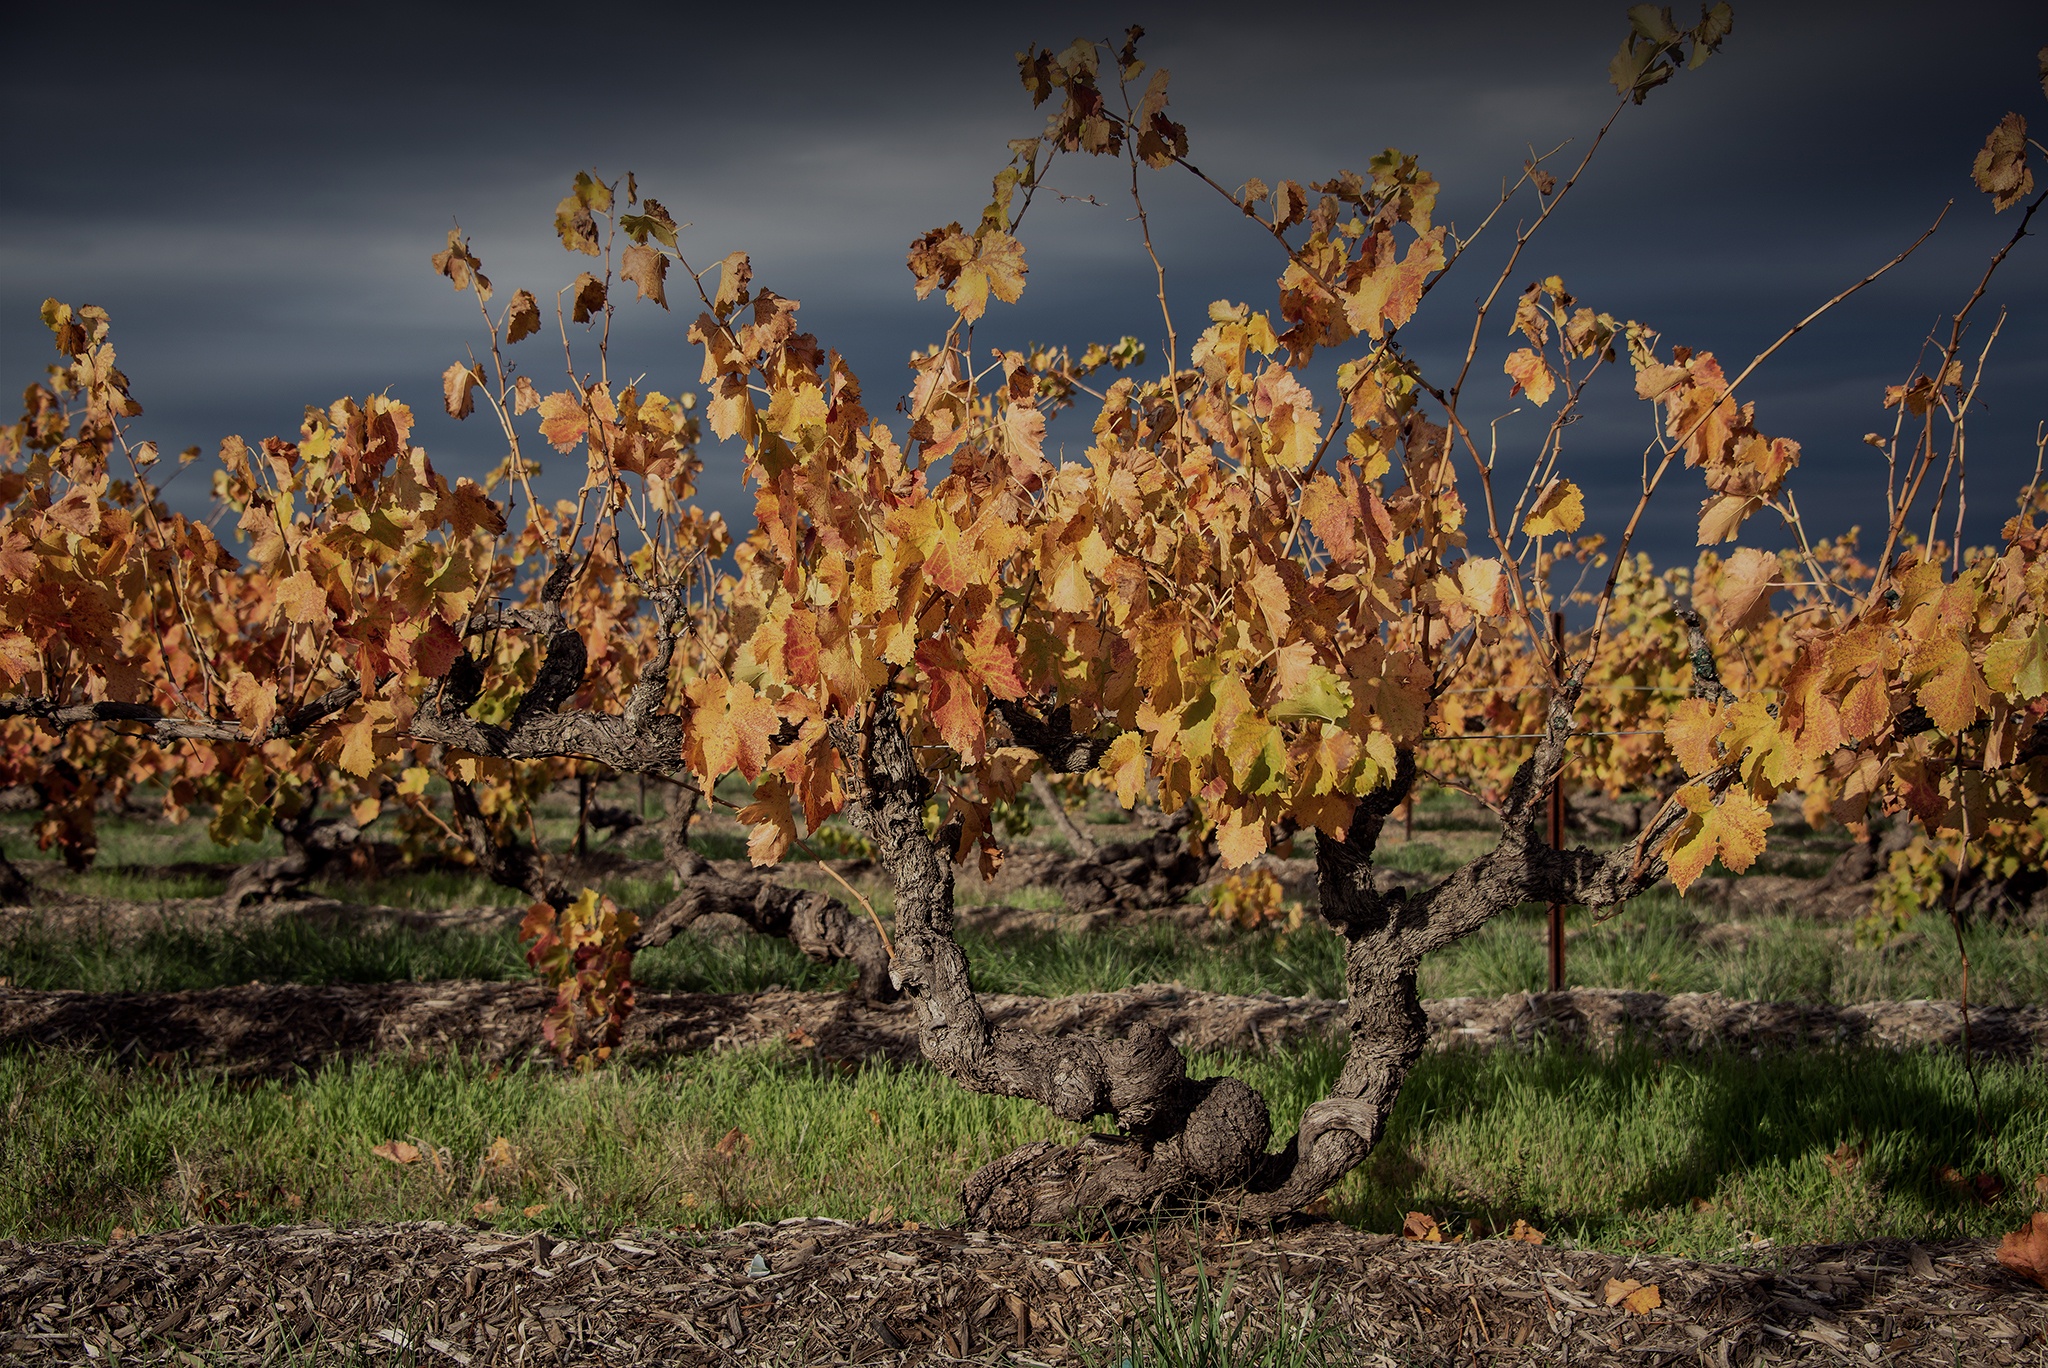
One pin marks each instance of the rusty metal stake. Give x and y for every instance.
(1557, 823)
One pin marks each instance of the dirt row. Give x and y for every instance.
(814, 1291)
(273, 1029)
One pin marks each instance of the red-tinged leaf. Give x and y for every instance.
(435, 649)
(955, 704)
(1333, 518)
(1531, 376)
(466, 507)
(1865, 708)
(992, 659)
(562, 420)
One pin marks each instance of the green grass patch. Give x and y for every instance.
(1696, 1156)
(1660, 944)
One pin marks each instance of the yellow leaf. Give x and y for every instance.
(1732, 829)
(2018, 667)
(414, 780)
(364, 811)
(1320, 694)
(358, 747)
(1691, 733)
(1559, 508)
(1239, 842)
(1124, 762)
(1420, 1225)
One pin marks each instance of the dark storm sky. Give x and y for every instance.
(254, 196)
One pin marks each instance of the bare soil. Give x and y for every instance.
(811, 1291)
(270, 1030)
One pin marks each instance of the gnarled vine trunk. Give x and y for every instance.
(1180, 1140)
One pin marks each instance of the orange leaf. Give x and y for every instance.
(1638, 1299)
(562, 420)
(774, 825)
(1531, 376)
(1525, 1233)
(734, 1141)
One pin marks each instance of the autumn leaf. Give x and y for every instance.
(456, 383)
(1420, 1225)
(2025, 1251)
(1638, 1299)
(1524, 1233)
(1746, 584)
(1731, 829)
(2018, 666)
(647, 268)
(586, 298)
(1691, 731)
(397, 1151)
(522, 318)
(997, 268)
(1559, 508)
(562, 420)
(735, 272)
(301, 599)
(1531, 376)
(1124, 764)
(772, 823)
(2001, 169)
(734, 1141)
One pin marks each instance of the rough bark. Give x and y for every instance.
(1187, 1142)
(312, 843)
(817, 924)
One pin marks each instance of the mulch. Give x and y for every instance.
(815, 1291)
(271, 1030)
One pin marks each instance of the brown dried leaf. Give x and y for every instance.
(397, 1151)
(647, 268)
(1524, 1233)
(523, 318)
(1418, 1225)
(1845, 1159)
(586, 298)
(734, 1141)
(2025, 1251)
(1638, 1299)
(2001, 169)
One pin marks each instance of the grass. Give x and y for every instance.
(1660, 944)
(1697, 1156)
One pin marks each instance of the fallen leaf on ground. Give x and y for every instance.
(733, 1142)
(1638, 1299)
(1701, 1204)
(1988, 1187)
(2041, 1188)
(800, 1038)
(2025, 1251)
(120, 1233)
(1526, 1233)
(397, 1151)
(488, 1207)
(536, 1209)
(1421, 1226)
(1844, 1160)
(500, 1155)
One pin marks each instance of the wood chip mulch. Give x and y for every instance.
(814, 1292)
(269, 1030)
